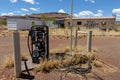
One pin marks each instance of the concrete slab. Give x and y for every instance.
(28, 64)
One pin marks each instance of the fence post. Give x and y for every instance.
(75, 42)
(89, 41)
(17, 57)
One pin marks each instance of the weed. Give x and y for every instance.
(96, 63)
(24, 56)
(48, 65)
(74, 60)
(9, 62)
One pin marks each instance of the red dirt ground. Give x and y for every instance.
(107, 48)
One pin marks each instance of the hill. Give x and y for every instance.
(55, 15)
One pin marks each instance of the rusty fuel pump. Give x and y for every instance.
(38, 42)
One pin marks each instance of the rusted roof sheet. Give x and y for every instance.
(94, 18)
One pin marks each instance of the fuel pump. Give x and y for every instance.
(38, 42)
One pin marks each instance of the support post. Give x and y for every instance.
(75, 43)
(71, 12)
(17, 57)
(89, 41)
(47, 43)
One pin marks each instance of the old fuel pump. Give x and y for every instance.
(38, 42)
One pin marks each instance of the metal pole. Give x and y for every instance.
(71, 10)
(89, 41)
(17, 57)
(47, 42)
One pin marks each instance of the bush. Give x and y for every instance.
(9, 62)
(3, 22)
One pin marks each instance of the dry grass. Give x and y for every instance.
(24, 56)
(74, 60)
(60, 33)
(80, 56)
(97, 63)
(48, 65)
(9, 62)
(60, 50)
(65, 33)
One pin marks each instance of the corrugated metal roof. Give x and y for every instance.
(86, 18)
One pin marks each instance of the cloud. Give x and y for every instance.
(17, 11)
(84, 14)
(92, 1)
(35, 9)
(116, 11)
(7, 14)
(89, 14)
(23, 14)
(30, 1)
(11, 13)
(24, 9)
(99, 13)
(61, 11)
(4, 14)
(13, 1)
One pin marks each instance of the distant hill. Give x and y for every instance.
(55, 15)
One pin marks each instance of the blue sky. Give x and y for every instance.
(81, 8)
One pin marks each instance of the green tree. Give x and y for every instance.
(45, 18)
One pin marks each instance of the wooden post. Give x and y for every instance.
(89, 41)
(75, 42)
(17, 57)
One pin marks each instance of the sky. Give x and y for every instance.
(81, 8)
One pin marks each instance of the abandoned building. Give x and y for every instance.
(96, 22)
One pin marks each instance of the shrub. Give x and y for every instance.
(3, 22)
(9, 62)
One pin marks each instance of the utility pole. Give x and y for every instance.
(71, 12)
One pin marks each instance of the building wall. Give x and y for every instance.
(21, 24)
(102, 23)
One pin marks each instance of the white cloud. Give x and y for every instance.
(89, 14)
(61, 11)
(13, 1)
(30, 1)
(23, 9)
(11, 13)
(92, 1)
(116, 11)
(7, 14)
(35, 9)
(3, 14)
(23, 14)
(84, 14)
(17, 11)
(99, 13)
